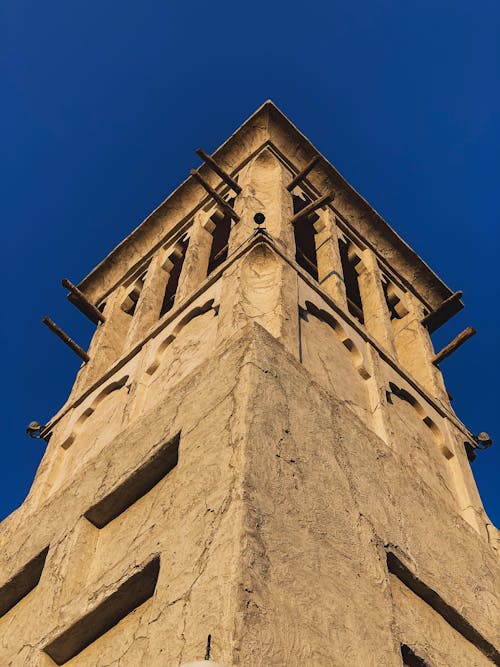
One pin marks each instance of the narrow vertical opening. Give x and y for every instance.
(305, 239)
(220, 241)
(177, 260)
(353, 294)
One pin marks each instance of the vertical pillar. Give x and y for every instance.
(376, 385)
(330, 275)
(415, 351)
(375, 311)
(466, 492)
(260, 287)
(108, 342)
(149, 304)
(195, 267)
(264, 182)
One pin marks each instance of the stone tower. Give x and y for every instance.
(258, 464)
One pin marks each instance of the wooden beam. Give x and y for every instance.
(219, 170)
(302, 174)
(215, 196)
(451, 306)
(78, 299)
(66, 339)
(454, 345)
(313, 206)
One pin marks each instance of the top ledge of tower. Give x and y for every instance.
(267, 124)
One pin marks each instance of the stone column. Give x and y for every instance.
(377, 385)
(195, 267)
(330, 275)
(261, 287)
(375, 310)
(263, 183)
(149, 304)
(415, 351)
(108, 342)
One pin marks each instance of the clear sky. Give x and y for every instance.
(104, 103)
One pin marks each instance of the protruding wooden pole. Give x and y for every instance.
(313, 206)
(66, 339)
(215, 196)
(219, 170)
(79, 299)
(442, 314)
(454, 345)
(302, 174)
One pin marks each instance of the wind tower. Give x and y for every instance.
(258, 463)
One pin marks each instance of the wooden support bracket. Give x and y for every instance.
(451, 306)
(215, 196)
(313, 206)
(78, 299)
(454, 345)
(66, 339)
(302, 174)
(219, 170)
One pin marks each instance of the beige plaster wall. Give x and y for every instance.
(270, 531)
(307, 450)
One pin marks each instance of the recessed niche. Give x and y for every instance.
(22, 583)
(140, 482)
(127, 597)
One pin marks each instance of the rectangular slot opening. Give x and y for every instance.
(305, 238)
(176, 260)
(134, 592)
(434, 600)
(22, 583)
(140, 482)
(349, 260)
(220, 241)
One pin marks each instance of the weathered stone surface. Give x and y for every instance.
(248, 464)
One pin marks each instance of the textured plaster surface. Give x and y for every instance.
(310, 446)
(270, 531)
(267, 126)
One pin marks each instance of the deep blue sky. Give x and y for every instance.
(104, 103)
